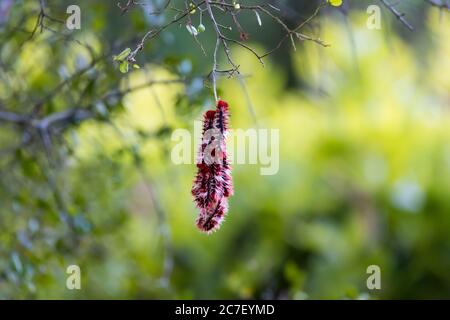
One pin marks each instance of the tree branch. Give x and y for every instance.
(397, 14)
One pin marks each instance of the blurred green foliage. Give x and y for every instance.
(364, 174)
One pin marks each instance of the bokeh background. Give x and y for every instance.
(364, 175)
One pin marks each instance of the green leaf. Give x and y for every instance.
(336, 3)
(123, 55)
(123, 67)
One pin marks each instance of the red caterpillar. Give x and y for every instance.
(213, 184)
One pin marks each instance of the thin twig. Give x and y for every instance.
(400, 16)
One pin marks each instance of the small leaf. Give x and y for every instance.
(123, 55)
(192, 8)
(136, 66)
(335, 3)
(123, 67)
